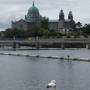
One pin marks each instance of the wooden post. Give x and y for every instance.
(14, 45)
(62, 46)
(37, 45)
(87, 46)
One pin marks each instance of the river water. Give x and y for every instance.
(32, 73)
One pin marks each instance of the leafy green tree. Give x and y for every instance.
(44, 23)
(33, 32)
(86, 29)
(10, 33)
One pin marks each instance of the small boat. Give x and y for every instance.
(52, 83)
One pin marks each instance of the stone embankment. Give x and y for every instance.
(50, 57)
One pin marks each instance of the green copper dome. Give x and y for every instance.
(33, 14)
(33, 10)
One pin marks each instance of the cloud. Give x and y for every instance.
(17, 9)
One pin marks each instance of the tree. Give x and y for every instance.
(10, 33)
(86, 29)
(34, 32)
(78, 27)
(44, 23)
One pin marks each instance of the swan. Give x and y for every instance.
(52, 83)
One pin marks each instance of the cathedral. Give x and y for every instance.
(33, 18)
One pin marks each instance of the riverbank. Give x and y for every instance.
(33, 48)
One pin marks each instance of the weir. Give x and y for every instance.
(68, 58)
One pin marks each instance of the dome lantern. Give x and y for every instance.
(33, 3)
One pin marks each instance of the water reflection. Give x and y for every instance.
(53, 88)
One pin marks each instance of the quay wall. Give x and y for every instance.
(49, 43)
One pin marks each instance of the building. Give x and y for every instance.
(33, 18)
(62, 25)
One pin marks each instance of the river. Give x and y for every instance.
(32, 73)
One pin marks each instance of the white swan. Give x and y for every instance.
(52, 83)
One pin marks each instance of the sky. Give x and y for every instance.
(11, 10)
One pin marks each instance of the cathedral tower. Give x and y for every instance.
(61, 23)
(70, 15)
(61, 15)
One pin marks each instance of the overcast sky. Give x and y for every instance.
(16, 9)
